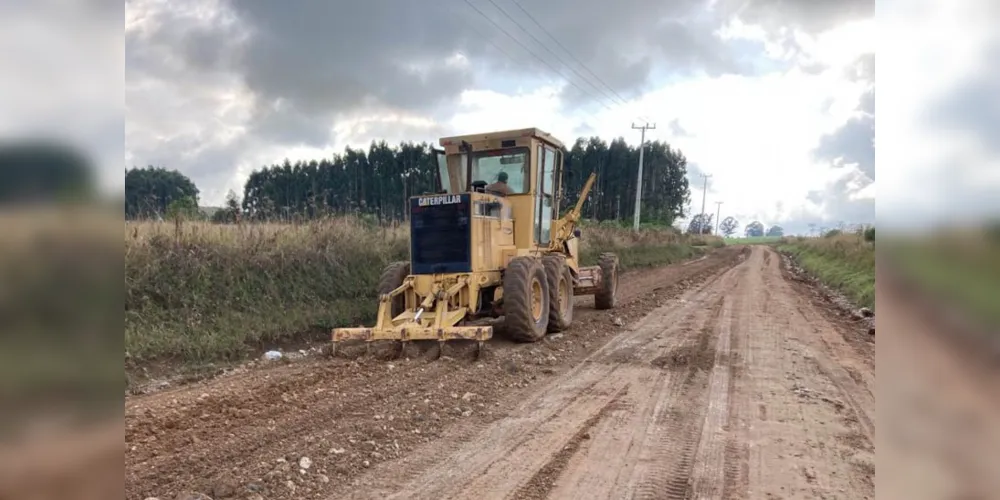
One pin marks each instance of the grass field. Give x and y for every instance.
(962, 268)
(199, 292)
(753, 240)
(845, 263)
(59, 299)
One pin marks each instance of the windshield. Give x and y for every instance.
(488, 165)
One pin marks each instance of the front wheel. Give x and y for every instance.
(526, 299)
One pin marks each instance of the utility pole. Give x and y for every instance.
(703, 194)
(638, 185)
(718, 213)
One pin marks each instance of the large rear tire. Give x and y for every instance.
(525, 299)
(560, 292)
(607, 296)
(391, 279)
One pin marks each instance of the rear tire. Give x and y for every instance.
(607, 296)
(391, 279)
(525, 299)
(560, 292)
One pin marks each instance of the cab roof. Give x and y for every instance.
(504, 134)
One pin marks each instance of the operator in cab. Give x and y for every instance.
(499, 187)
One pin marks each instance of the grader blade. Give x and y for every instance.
(405, 334)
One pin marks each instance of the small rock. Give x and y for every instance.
(366, 464)
(467, 413)
(865, 312)
(468, 396)
(305, 463)
(190, 495)
(337, 451)
(323, 479)
(454, 395)
(619, 322)
(225, 488)
(272, 355)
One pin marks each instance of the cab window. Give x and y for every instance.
(488, 165)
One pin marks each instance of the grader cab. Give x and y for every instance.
(490, 244)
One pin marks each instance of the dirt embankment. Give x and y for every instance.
(312, 429)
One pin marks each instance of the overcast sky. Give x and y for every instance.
(774, 98)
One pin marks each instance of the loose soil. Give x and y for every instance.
(724, 380)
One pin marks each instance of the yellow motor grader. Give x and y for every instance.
(490, 244)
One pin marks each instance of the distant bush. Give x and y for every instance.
(833, 233)
(870, 234)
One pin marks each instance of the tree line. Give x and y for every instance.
(378, 182)
(44, 171)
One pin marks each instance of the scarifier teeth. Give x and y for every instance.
(437, 351)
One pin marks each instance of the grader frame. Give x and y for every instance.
(476, 253)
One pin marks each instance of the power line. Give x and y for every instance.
(547, 49)
(529, 51)
(516, 61)
(621, 99)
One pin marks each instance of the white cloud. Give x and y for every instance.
(929, 49)
(755, 135)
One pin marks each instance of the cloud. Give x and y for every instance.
(813, 16)
(854, 142)
(937, 137)
(60, 67)
(766, 103)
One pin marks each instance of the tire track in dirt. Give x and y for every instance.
(803, 423)
(243, 432)
(484, 468)
(661, 409)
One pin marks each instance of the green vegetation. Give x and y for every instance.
(961, 269)
(59, 349)
(378, 182)
(753, 240)
(200, 292)
(843, 262)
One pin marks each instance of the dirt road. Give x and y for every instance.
(943, 398)
(720, 378)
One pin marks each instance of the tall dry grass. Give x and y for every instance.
(59, 296)
(198, 292)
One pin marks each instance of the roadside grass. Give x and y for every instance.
(200, 293)
(753, 240)
(59, 301)
(959, 268)
(845, 263)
